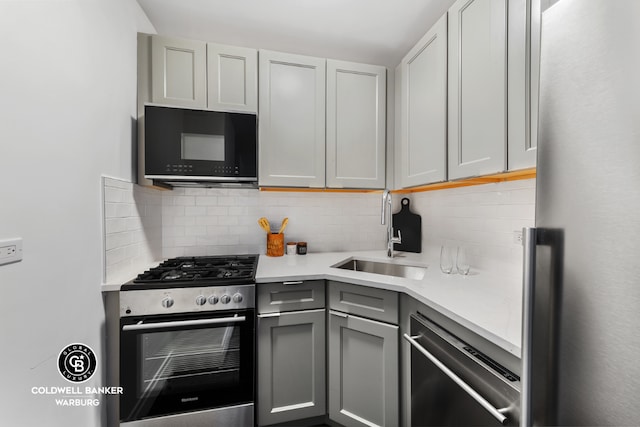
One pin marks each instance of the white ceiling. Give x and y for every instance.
(370, 31)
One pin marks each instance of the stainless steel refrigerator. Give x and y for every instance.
(581, 324)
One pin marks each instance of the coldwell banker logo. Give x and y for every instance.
(77, 363)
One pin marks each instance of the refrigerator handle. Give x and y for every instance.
(541, 301)
(529, 242)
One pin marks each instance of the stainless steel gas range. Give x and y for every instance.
(185, 343)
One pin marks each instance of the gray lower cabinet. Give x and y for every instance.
(363, 371)
(291, 352)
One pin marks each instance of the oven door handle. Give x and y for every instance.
(140, 326)
(498, 414)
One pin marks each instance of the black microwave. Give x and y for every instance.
(185, 147)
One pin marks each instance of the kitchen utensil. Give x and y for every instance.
(275, 244)
(264, 224)
(410, 226)
(284, 225)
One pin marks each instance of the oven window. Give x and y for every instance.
(202, 147)
(180, 368)
(190, 355)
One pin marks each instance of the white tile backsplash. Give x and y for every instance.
(132, 229)
(482, 218)
(143, 225)
(217, 221)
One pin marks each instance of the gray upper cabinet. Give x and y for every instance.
(178, 72)
(292, 120)
(356, 130)
(523, 69)
(191, 73)
(232, 76)
(477, 87)
(423, 140)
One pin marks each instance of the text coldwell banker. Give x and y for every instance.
(76, 390)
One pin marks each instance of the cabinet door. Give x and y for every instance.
(424, 102)
(178, 72)
(363, 371)
(477, 87)
(232, 78)
(292, 120)
(523, 70)
(291, 366)
(356, 125)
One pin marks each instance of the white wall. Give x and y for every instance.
(67, 104)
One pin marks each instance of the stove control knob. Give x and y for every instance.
(201, 300)
(225, 299)
(237, 298)
(167, 302)
(213, 299)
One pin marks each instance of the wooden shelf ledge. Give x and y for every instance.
(478, 180)
(466, 182)
(319, 190)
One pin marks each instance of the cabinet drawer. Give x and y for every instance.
(378, 304)
(290, 296)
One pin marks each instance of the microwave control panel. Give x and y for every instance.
(215, 170)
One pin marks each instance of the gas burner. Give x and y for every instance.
(227, 273)
(171, 275)
(198, 271)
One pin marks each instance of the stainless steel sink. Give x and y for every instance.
(399, 270)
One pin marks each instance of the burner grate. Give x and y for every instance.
(198, 270)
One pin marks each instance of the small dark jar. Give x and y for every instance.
(301, 248)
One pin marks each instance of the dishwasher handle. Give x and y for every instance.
(497, 413)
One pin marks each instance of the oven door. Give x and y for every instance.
(182, 363)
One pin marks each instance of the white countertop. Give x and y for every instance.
(486, 302)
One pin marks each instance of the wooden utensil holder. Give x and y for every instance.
(275, 244)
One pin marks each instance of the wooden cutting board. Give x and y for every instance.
(410, 226)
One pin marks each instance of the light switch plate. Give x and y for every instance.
(10, 250)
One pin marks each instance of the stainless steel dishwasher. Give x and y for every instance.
(453, 384)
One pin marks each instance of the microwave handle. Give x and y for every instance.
(140, 326)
